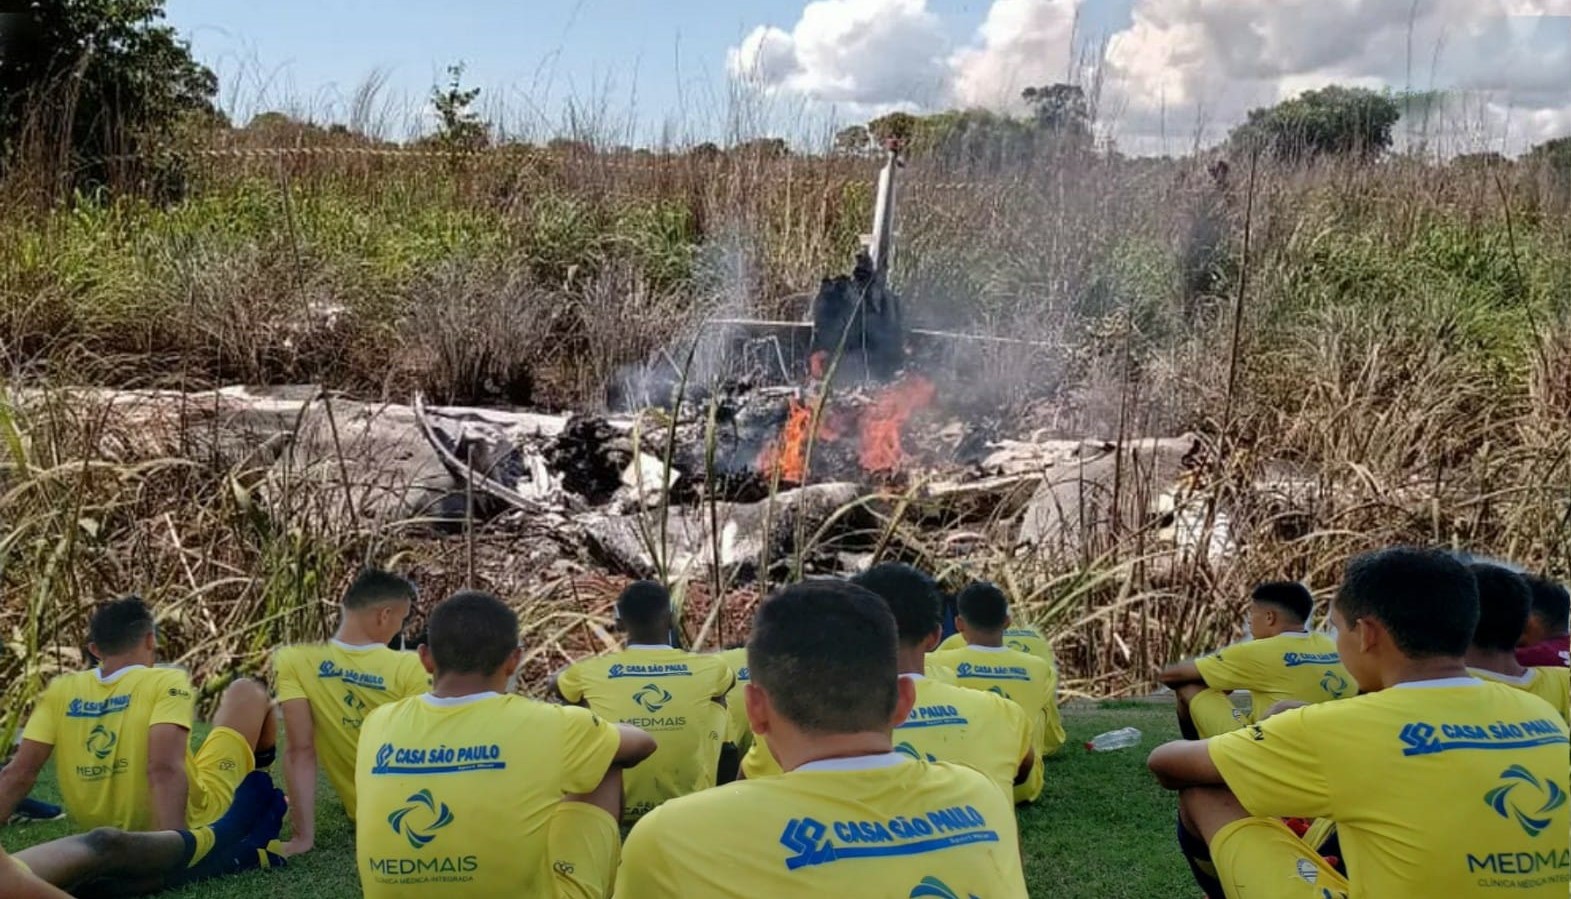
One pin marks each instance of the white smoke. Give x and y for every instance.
(1190, 69)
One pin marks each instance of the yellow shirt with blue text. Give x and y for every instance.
(739, 732)
(456, 796)
(99, 728)
(982, 731)
(343, 684)
(1295, 665)
(671, 693)
(1027, 680)
(1028, 640)
(869, 827)
(1453, 788)
(1552, 685)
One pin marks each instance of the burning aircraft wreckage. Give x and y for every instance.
(836, 448)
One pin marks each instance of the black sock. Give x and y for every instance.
(265, 757)
(1198, 855)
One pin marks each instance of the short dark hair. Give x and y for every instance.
(1504, 601)
(1289, 596)
(1551, 602)
(118, 625)
(642, 603)
(825, 652)
(373, 586)
(913, 598)
(471, 632)
(1426, 598)
(984, 605)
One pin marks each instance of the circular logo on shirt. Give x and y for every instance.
(652, 697)
(418, 821)
(1520, 789)
(101, 742)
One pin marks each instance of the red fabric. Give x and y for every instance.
(1547, 654)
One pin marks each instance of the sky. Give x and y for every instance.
(1171, 73)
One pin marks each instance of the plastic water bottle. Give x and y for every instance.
(1123, 738)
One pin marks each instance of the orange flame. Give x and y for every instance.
(788, 451)
(882, 422)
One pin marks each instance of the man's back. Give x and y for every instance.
(982, 731)
(1025, 679)
(739, 731)
(1028, 640)
(1296, 665)
(1552, 685)
(874, 826)
(343, 684)
(1452, 788)
(671, 694)
(100, 729)
(455, 795)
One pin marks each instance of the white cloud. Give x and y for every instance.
(1188, 67)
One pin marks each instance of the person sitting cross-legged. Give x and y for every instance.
(1440, 784)
(1504, 601)
(465, 791)
(325, 691)
(121, 735)
(949, 723)
(107, 861)
(1284, 662)
(850, 815)
(679, 697)
(985, 663)
(1546, 641)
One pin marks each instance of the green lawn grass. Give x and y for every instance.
(1102, 827)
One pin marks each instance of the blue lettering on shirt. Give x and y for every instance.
(674, 669)
(992, 672)
(814, 843)
(439, 759)
(329, 671)
(88, 708)
(1299, 659)
(1421, 738)
(935, 716)
(742, 674)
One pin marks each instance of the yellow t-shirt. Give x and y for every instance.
(869, 827)
(1552, 685)
(671, 693)
(99, 728)
(1453, 788)
(1015, 675)
(948, 724)
(1028, 640)
(343, 684)
(739, 732)
(1299, 665)
(456, 795)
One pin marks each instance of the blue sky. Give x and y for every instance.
(647, 61)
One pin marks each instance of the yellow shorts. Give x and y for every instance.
(1035, 781)
(585, 845)
(1259, 858)
(1214, 714)
(215, 772)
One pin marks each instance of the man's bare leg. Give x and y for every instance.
(247, 709)
(136, 861)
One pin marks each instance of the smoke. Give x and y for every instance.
(1181, 69)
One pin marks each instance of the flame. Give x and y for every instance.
(788, 452)
(882, 422)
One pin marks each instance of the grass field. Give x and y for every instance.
(1102, 828)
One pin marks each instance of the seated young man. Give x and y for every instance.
(985, 663)
(1546, 641)
(107, 861)
(1440, 784)
(1504, 600)
(1017, 636)
(852, 816)
(465, 791)
(675, 695)
(327, 689)
(948, 723)
(1284, 662)
(739, 737)
(123, 733)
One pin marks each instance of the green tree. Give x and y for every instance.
(1060, 109)
(900, 126)
(855, 139)
(1556, 154)
(104, 76)
(1333, 121)
(459, 127)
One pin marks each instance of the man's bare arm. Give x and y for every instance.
(636, 746)
(300, 775)
(167, 745)
(1184, 763)
(17, 780)
(1181, 674)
